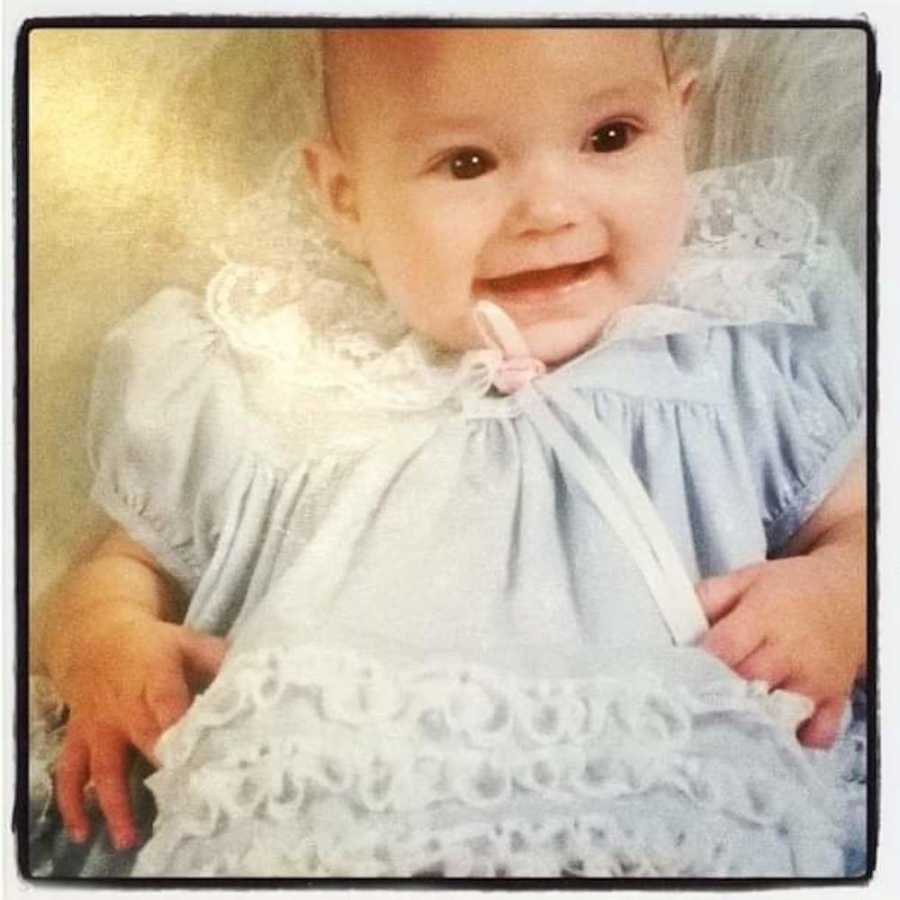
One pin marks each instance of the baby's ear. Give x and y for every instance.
(336, 193)
(682, 88)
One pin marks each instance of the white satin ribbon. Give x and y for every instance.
(620, 498)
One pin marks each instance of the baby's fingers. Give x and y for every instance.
(766, 663)
(718, 595)
(822, 729)
(167, 695)
(202, 652)
(109, 757)
(143, 729)
(735, 636)
(71, 777)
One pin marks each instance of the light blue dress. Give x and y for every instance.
(444, 657)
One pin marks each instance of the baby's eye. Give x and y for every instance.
(612, 137)
(470, 163)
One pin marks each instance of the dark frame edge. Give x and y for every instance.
(20, 163)
(873, 749)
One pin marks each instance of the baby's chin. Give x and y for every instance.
(553, 341)
(556, 341)
(558, 332)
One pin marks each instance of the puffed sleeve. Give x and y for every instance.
(799, 392)
(162, 433)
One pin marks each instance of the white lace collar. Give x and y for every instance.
(308, 325)
(748, 253)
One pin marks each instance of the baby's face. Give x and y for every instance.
(540, 169)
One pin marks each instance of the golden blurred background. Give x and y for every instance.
(139, 142)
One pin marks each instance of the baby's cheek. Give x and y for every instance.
(450, 326)
(437, 303)
(657, 236)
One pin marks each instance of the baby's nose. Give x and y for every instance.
(548, 201)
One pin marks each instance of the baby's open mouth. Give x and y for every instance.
(529, 284)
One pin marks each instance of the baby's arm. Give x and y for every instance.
(799, 622)
(107, 639)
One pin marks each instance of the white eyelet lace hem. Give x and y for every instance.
(320, 762)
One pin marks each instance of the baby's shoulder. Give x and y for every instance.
(244, 381)
(164, 365)
(816, 332)
(164, 383)
(757, 252)
(171, 322)
(163, 438)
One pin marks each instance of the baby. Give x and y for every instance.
(454, 549)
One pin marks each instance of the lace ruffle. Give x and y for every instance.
(587, 845)
(751, 252)
(462, 769)
(313, 334)
(752, 246)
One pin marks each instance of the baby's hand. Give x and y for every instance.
(132, 677)
(796, 624)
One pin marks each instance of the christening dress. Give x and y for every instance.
(461, 622)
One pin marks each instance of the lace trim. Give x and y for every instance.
(305, 319)
(395, 369)
(752, 248)
(458, 737)
(483, 704)
(587, 845)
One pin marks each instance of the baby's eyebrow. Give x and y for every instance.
(426, 126)
(640, 89)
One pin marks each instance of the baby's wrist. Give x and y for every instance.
(88, 641)
(841, 567)
(96, 598)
